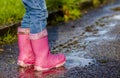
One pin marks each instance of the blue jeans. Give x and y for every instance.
(36, 15)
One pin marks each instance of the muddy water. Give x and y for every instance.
(91, 46)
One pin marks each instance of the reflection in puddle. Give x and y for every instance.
(112, 24)
(91, 39)
(99, 39)
(102, 32)
(77, 59)
(30, 73)
(117, 17)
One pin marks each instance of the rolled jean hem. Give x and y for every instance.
(39, 35)
(23, 30)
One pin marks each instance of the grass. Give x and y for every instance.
(11, 11)
(8, 38)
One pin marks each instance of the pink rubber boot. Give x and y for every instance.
(44, 60)
(26, 55)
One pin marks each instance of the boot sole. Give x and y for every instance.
(45, 69)
(22, 64)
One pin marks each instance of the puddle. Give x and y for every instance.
(109, 23)
(78, 59)
(76, 56)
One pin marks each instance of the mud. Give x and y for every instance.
(91, 45)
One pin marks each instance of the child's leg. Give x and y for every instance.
(36, 14)
(26, 19)
(26, 55)
(44, 60)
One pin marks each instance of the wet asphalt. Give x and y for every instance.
(91, 45)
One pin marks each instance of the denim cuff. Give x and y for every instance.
(39, 35)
